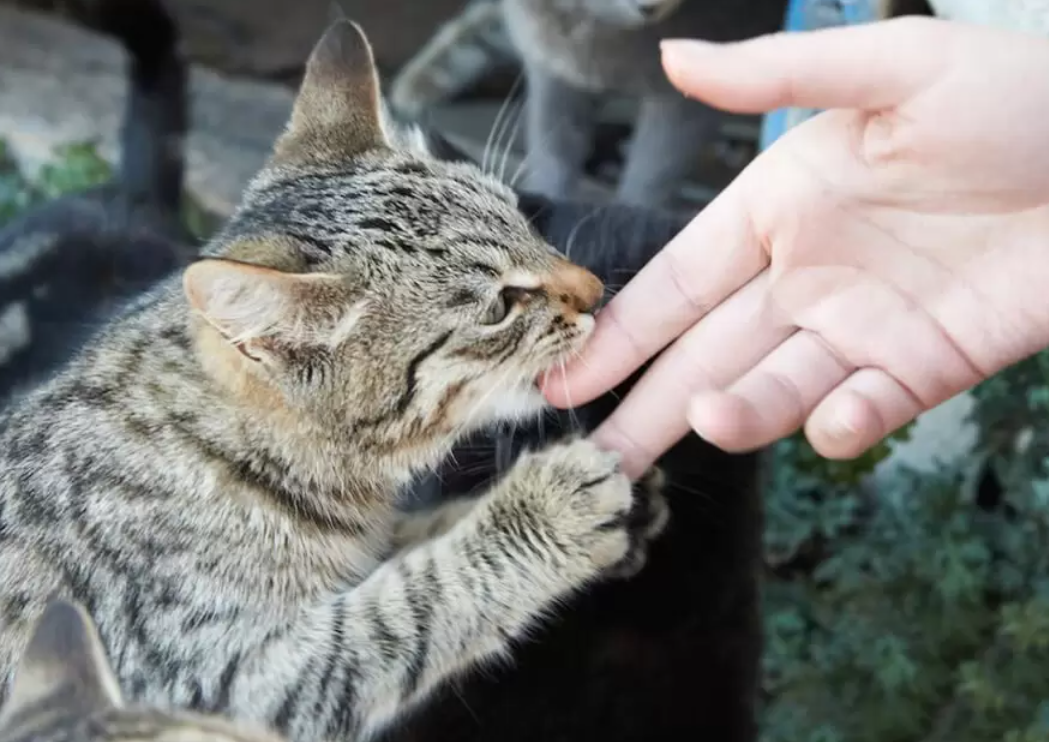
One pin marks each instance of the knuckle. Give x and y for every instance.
(679, 273)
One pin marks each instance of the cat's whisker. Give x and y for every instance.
(459, 694)
(570, 242)
(703, 494)
(525, 164)
(522, 166)
(497, 124)
(570, 409)
(508, 143)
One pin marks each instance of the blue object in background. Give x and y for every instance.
(809, 15)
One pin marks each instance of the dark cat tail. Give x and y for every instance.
(152, 166)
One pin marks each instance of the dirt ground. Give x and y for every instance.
(271, 38)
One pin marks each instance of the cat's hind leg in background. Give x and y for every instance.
(457, 56)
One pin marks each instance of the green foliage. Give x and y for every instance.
(919, 612)
(75, 167)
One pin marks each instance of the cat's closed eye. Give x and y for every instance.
(509, 297)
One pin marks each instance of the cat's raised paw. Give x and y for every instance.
(647, 519)
(576, 494)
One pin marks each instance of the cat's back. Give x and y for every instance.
(71, 464)
(121, 474)
(570, 40)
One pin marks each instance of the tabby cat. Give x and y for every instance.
(576, 51)
(214, 476)
(64, 691)
(70, 263)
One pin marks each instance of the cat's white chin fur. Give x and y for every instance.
(517, 403)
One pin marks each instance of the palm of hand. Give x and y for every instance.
(902, 295)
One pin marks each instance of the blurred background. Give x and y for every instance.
(60, 82)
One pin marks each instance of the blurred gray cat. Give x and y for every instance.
(575, 51)
(65, 691)
(215, 476)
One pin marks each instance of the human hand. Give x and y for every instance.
(875, 261)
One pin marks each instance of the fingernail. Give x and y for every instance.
(682, 57)
(686, 51)
(842, 425)
(698, 45)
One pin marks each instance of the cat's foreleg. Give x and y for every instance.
(413, 528)
(558, 520)
(669, 137)
(559, 133)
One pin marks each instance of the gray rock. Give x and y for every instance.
(60, 83)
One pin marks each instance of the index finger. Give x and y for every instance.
(870, 66)
(717, 253)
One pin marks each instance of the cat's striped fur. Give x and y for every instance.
(64, 691)
(214, 478)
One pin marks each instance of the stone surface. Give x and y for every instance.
(60, 83)
(271, 38)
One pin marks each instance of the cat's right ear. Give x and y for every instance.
(65, 661)
(338, 111)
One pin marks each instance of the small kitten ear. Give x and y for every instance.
(339, 111)
(255, 307)
(65, 661)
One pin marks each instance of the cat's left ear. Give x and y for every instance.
(262, 311)
(64, 661)
(339, 110)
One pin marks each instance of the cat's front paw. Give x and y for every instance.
(579, 502)
(647, 519)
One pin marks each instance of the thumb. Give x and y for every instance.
(870, 66)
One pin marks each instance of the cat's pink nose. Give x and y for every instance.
(574, 286)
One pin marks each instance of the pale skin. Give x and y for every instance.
(874, 262)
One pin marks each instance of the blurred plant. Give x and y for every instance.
(75, 167)
(919, 612)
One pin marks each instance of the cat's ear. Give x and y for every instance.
(260, 310)
(65, 661)
(339, 110)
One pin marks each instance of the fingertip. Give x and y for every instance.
(725, 420)
(569, 386)
(681, 57)
(844, 426)
(552, 386)
(636, 459)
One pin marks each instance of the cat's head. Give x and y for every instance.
(377, 292)
(625, 13)
(64, 690)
